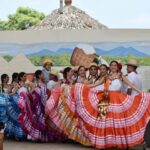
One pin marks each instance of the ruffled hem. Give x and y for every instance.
(61, 110)
(75, 112)
(13, 127)
(125, 120)
(34, 125)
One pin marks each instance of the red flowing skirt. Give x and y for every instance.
(74, 110)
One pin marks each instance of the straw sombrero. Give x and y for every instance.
(54, 72)
(132, 62)
(47, 61)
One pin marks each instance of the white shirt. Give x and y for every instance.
(46, 75)
(136, 81)
(115, 85)
(98, 88)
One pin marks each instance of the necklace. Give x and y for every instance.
(81, 79)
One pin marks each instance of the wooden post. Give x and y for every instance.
(1, 139)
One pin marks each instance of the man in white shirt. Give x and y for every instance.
(55, 79)
(133, 77)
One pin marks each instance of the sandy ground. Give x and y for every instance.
(14, 145)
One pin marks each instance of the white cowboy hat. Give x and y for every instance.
(54, 72)
(75, 68)
(60, 76)
(132, 62)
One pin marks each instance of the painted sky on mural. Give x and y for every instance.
(113, 13)
(141, 49)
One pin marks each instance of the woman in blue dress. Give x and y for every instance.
(3, 119)
(13, 128)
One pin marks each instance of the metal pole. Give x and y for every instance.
(61, 7)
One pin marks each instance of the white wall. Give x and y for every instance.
(115, 35)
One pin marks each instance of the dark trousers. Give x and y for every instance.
(147, 135)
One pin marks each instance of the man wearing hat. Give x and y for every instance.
(53, 79)
(133, 77)
(47, 64)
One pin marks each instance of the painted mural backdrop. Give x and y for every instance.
(60, 52)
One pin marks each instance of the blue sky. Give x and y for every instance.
(113, 13)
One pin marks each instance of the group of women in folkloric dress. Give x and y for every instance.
(96, 106)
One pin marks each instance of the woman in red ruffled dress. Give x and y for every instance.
(102, 119)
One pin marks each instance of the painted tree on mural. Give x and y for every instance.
(64, 59)
(22, 19)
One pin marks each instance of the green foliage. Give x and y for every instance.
(58, 60)
(64, 59)
(8, 58)
(23, 18)
(3, 25)
(142, 61)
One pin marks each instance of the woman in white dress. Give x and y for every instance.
(103, 74)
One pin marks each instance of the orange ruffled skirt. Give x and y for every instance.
(74, 110)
